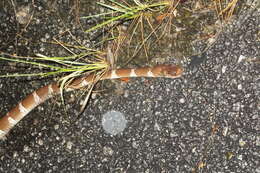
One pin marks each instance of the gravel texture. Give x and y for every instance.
(206, 121)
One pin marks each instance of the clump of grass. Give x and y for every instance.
(186, 20)
(70, 67)
(141, 15)
(226, 9)
(59, 65)
(123, 11)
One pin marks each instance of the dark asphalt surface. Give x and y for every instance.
(206, 121)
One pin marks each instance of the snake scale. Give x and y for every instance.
(10, 119)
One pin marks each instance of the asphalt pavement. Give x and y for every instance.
(205, 121)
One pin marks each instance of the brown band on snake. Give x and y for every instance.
(40, 95)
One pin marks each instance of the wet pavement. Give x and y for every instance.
(205, 121)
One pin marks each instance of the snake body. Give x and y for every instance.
(40, 95)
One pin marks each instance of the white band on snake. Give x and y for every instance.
(40, 95)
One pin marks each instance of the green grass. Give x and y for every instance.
(121, 12)
(59, 65)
